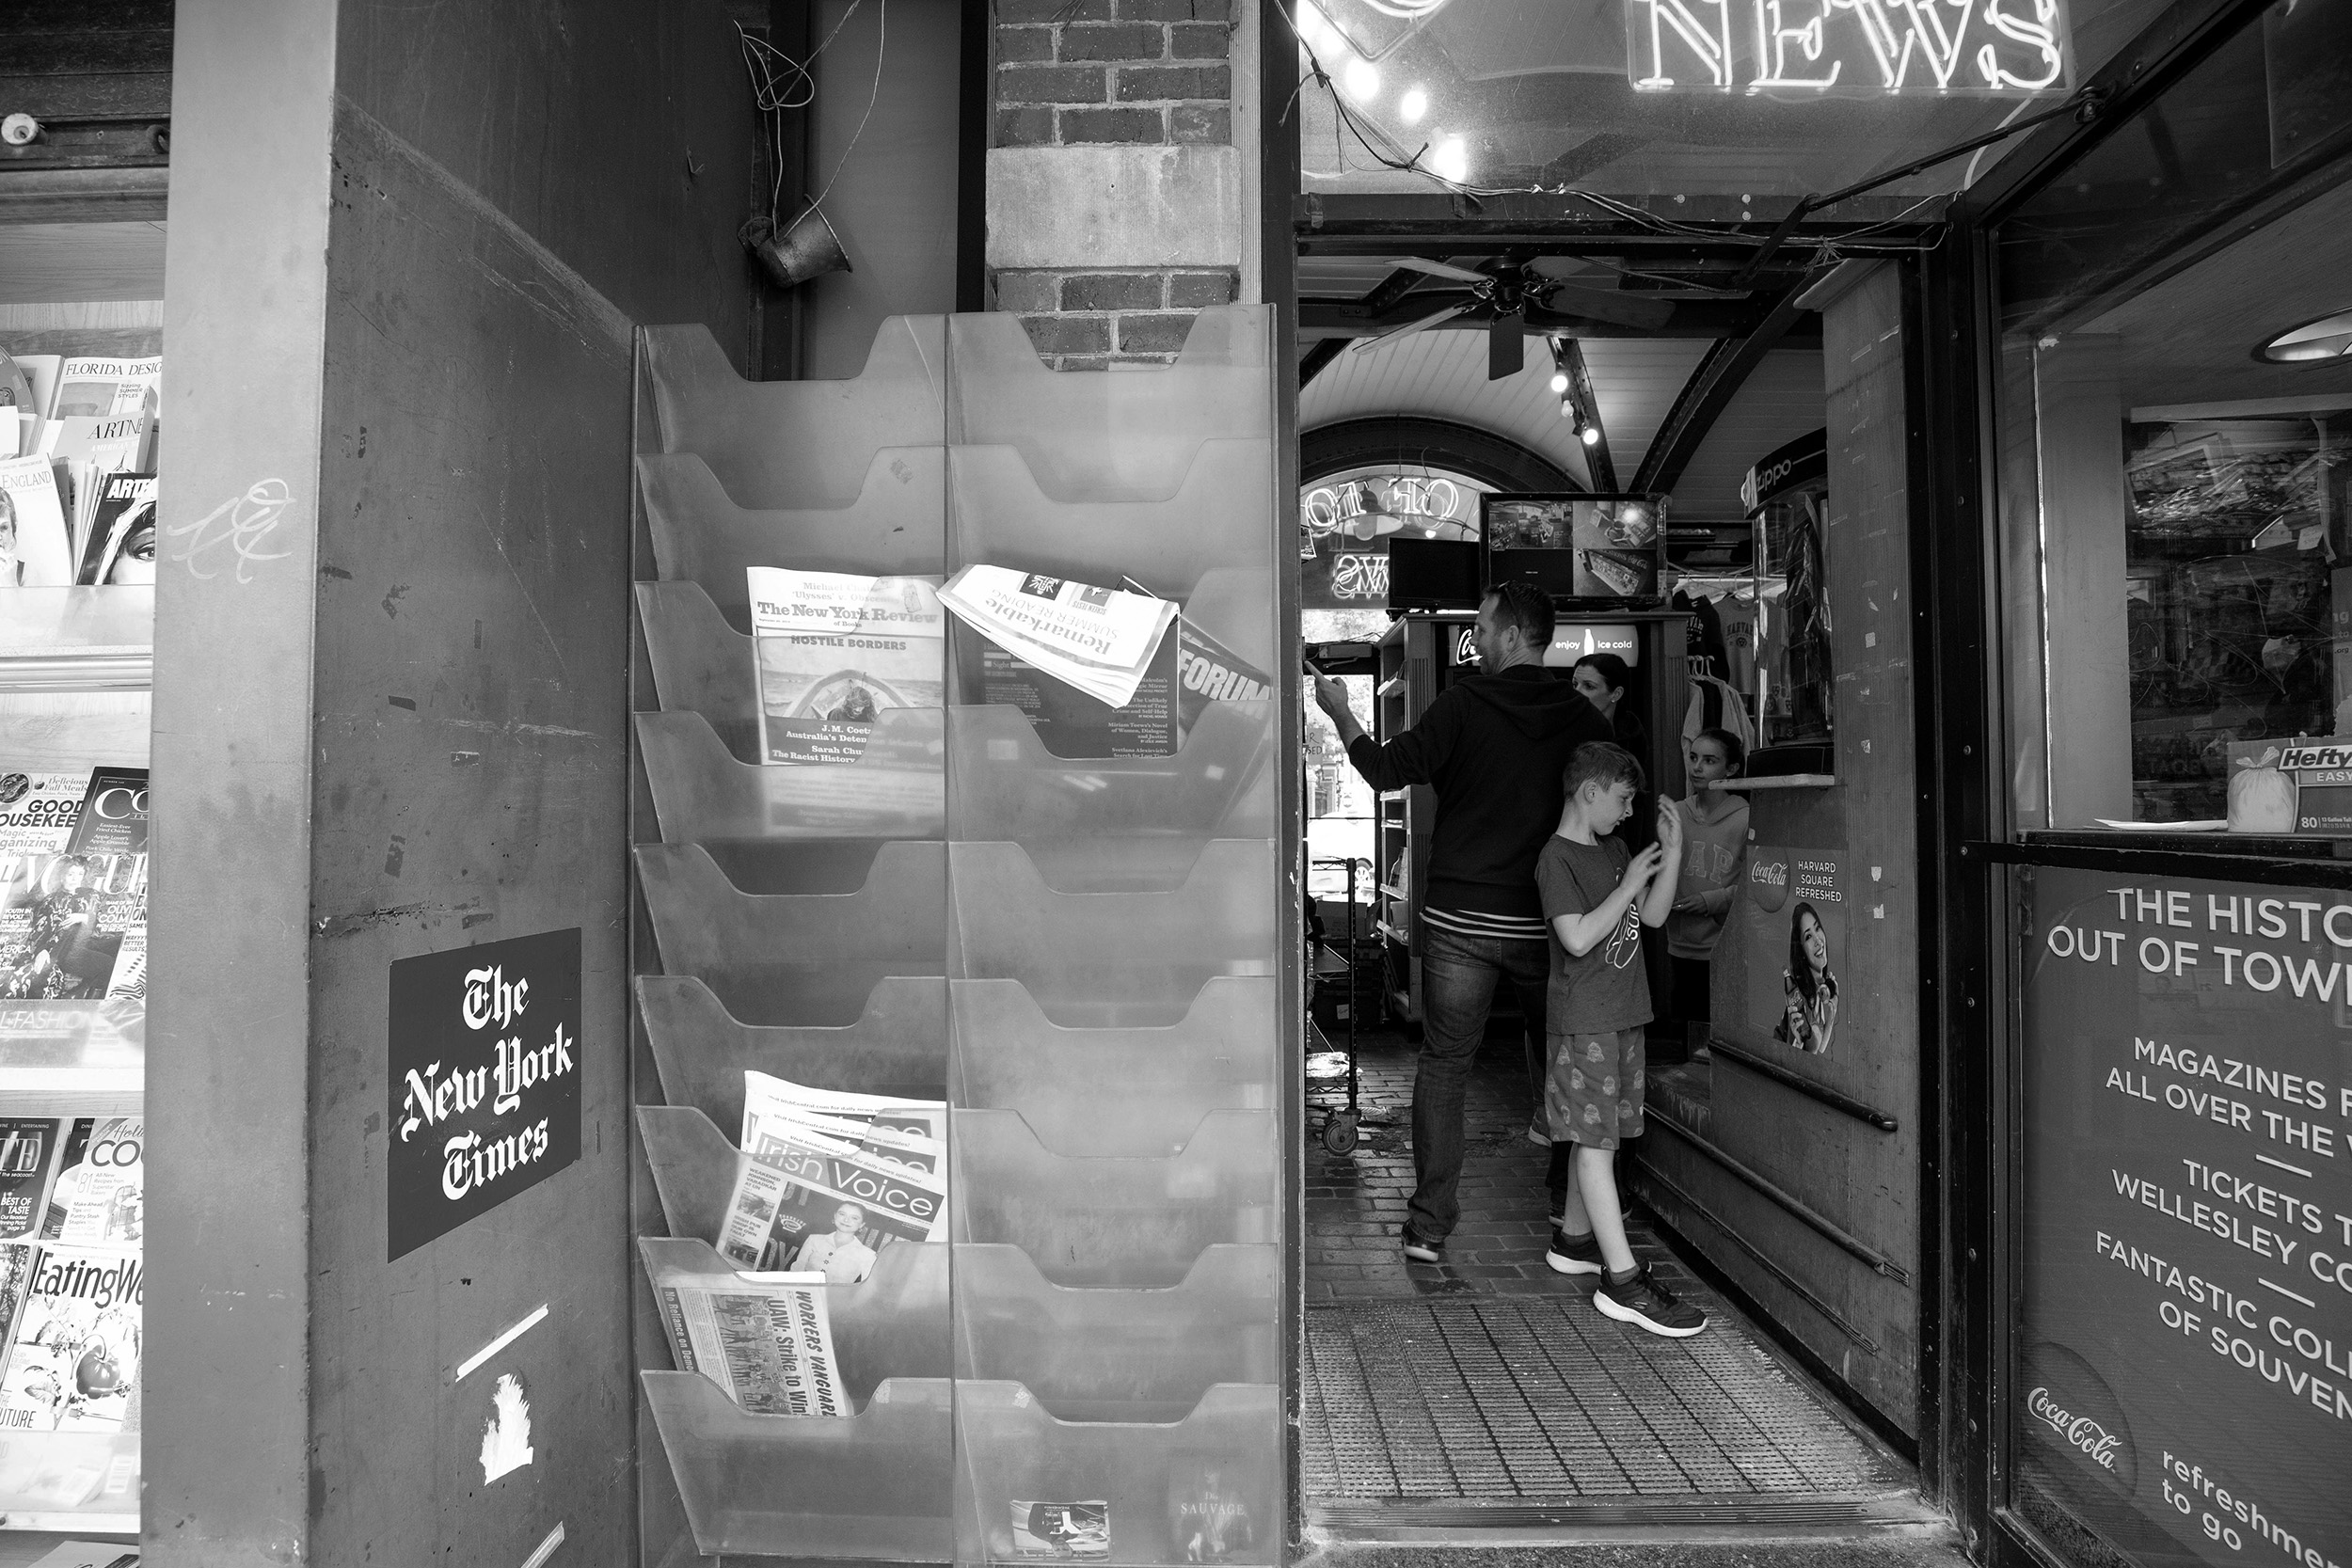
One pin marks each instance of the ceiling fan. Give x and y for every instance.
(1511, 299)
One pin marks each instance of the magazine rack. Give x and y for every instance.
(1079, 955)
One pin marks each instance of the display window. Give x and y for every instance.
(2173, 603)
(2175, 406)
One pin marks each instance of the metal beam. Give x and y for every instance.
(1708, 392)
(1321, 353)
(1599, 465)
(1692, 317)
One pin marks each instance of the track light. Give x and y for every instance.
(1559, 381)
(1590, 436)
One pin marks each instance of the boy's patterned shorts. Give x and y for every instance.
(1593, 1087)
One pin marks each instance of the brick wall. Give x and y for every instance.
(1125, 72)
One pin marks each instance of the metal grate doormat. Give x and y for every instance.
(1540, 1397)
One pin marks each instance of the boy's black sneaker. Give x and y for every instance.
(1575, 1253)
(1421, 1251)
(1646, 1303)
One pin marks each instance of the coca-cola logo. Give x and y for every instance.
(2071, 1407)
(2082, 1430)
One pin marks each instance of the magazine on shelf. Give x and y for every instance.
(1060, 1529)
(36, 545)
(833, 650)
(119, 546)
(68, 918)
(39, 808)
(763, 1338)
(105, 388)
(73, 1339)
(98, 1197)
(28, 1164)
(1214, 1506)
(1099, 639)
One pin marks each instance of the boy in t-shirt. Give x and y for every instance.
(1596, 898)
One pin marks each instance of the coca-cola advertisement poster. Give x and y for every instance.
(2184, 1362)
(483, 1083)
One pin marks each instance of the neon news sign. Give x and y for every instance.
(1874, 48)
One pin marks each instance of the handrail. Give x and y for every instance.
(1796, 1287)
(1718, 1046)
(1879, 1261)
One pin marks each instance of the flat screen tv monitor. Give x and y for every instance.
(1583, 547)
(1433, 573)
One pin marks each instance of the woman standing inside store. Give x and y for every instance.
(1715, 842)
(1603, 679)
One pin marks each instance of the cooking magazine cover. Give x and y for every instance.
(74, 1364)
(39, 808)
(834, 650)
(100, 1196)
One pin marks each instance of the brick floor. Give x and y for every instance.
(1489, 1376)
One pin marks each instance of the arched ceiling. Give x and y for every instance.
(1442, 374)
(1735, 373)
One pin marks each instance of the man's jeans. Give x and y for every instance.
(1457, 989)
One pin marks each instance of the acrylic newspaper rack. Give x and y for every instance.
(1077, 953)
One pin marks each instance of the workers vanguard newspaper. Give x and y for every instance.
(834, 651)
(825, 1180)
(763, 1338)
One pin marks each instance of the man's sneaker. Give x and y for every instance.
(1644, 1303)
(1421, 1251)
(1539, 1132)
(1575, 1255)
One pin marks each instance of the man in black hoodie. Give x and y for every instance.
(1494, 745)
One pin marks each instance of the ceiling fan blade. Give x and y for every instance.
(1609, 305)
(1506, 346)
(1443, 269)
(1447, 314)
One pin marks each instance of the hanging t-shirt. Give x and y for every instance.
(1712, 849)
(1738, 621)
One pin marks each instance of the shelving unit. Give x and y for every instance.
(1077, 954)
(1403, 819)
(76, 671)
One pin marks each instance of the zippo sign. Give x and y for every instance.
(1851, 48)
(483, 1081)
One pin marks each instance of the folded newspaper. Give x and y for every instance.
(763, 1338)
(834, 651)
(1099, 639)
(825, 1180)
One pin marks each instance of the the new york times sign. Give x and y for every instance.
(484, 1081)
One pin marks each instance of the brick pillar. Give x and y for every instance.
(1115, 190)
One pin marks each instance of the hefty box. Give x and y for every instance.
(2299, 787)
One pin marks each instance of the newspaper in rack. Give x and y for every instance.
(1099, 639)
(834, 651)
(763, 1338)
(807, 1200)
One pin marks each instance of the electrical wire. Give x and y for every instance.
(781, 84)
(881, 47)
